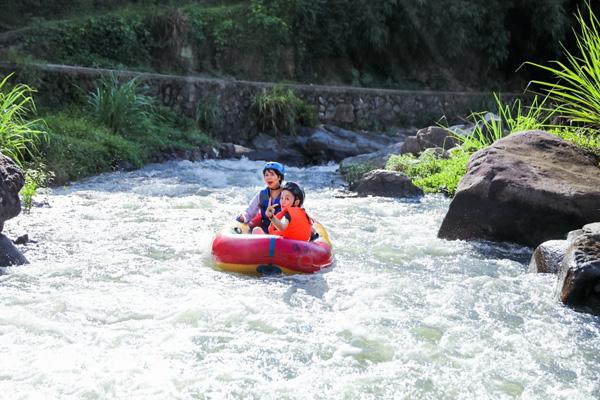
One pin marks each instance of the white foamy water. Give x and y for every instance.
(121, 301)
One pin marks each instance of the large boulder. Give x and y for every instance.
(330, 143)
(579, 276)
(381, 182)
(526, 188)
(11, 182)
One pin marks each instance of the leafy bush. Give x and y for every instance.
(18, 135)
(430, 173)
(281, 111)
(35, 178)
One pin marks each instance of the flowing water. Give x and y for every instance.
(121, 301)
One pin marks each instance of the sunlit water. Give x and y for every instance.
(121, 301)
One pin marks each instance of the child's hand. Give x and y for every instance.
(270, 211)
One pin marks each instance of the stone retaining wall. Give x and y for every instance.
(349, 107)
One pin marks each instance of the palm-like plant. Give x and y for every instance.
(577, 89)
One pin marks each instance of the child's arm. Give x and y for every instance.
(280, 224)
(252, 209)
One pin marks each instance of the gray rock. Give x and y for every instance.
(375, 160)
(435, 136)
(11, 182)
(387, 183)
(231, 150)
(579, 278)
(330, 143)
(526, 188)
(411, 146)
(548, 256)
(9, 254)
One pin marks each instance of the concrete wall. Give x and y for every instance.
(349, 107)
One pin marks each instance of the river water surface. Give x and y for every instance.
(121, 301)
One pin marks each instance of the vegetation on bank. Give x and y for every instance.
(119, 124)
(570, 109)
(280, 111)
(386, 43)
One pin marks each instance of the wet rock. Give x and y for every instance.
(9, 254)
(579, 278)
(23, 239)
(388, 184)
(526, 188)
(231, 150)
(330, 143)
(369, 161)
(11, 182)
(548, 256)
(124, 165)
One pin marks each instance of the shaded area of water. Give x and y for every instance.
(121, 301)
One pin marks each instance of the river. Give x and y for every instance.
(121, 301)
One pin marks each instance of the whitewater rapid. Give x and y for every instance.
(121, 301)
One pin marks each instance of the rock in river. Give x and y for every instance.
(526, 188)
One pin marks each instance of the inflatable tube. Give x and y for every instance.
(235, 250)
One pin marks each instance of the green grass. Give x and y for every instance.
(19, 135)
(576, 90)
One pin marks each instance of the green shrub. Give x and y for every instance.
(430, 173)
(280, 111)
(35, 178)
(18, 135)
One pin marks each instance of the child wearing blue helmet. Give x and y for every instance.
(273, 175)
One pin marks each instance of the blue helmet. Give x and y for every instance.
(275, 166)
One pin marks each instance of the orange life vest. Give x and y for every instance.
(299, 228)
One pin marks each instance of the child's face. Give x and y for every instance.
(287, 199)
(271, 179)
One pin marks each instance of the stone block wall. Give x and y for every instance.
(349, 107)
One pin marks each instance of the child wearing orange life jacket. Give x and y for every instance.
(292, 222)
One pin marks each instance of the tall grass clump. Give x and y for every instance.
(508, 118)
(19, 136)
(121, 107)
(576, 90)
(281, 111)
(208, 114)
